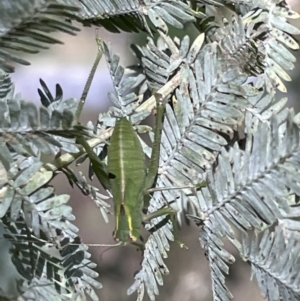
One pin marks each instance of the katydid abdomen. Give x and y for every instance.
(126, 162)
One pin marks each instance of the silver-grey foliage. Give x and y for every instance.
(224, 124)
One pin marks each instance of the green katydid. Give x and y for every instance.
(126, 161)
(126, 174)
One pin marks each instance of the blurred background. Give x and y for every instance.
(189, 279)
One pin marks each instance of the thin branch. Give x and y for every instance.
(168, 88)
(66, 159)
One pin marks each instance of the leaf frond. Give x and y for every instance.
(130, 15)
(270, 256)
(25, 27)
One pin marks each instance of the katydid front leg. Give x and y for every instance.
(100, 168)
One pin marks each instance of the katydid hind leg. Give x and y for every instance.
(100, 169)
(152, 174)
(154, 160)
(89, 80)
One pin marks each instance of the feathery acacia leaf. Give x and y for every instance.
(270, 256)
(25, 26)
(35, 216)
(130, 15)
(277, 36)
(29, 130)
